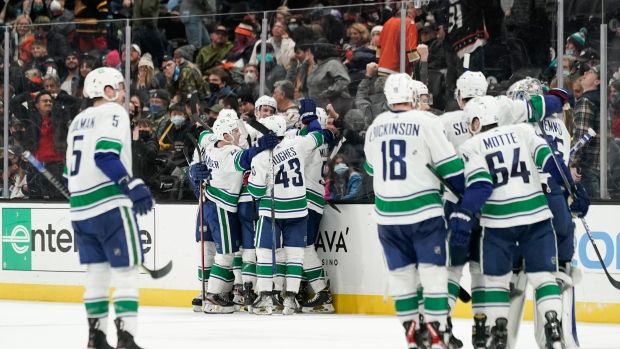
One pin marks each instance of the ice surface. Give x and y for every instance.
(41, 325)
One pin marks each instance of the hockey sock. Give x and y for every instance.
(477, 288)
(236, 268)
(419, 290)
(294, 268)
(434, 279)
(547, 292)
(97, 293)
(264, 270)
(497, 297)
(248, 267)
(454, 278)
(209, 258)
(278, 280)
(403, 291)
(313, 269)
(126, 296)
(221, 274)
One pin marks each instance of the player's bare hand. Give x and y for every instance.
(576, 176)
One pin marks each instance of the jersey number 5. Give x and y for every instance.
(519, 168)
(77, 155)
(395, 149)
(282, 175)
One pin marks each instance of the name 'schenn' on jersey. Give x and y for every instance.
(398, 146)
(289, 166)
(96, 130)
(508, 157)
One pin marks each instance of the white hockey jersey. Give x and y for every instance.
(398, 147)
(457, 128)
(558, 137)
(508, 157)
(96, 130)
(289, 166)
(226, 175)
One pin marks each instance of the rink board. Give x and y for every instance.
(40, 261)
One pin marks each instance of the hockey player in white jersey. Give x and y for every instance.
(199, 172)
(422, 98)
(504, 186)
(227, 162)
(290, 206)
(408, 207)
(563, 225)
(104, 200)
(265, 106)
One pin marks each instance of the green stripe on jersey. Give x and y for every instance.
(218, 193)
(283, 206)
(81, 200)
(407, 205)
(479, 176)
(256, 191)
(516, 207)
(106, 144)
(238, 162)
(541, 155)
(450, 168)
(368, 168)
(204, 134)
(539, 105)
(318, 137)
(317, 199)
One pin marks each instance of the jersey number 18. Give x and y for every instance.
(395, 150)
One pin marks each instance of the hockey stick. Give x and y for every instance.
(200, 213)
(273, 214)
(197, 119)
(155, 274)
(464, 296)
(614, 283)
(585, 139)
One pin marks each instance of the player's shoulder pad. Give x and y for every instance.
(206, 137)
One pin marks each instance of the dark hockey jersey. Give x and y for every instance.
(463, 21)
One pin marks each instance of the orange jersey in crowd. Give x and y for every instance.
(388, 47)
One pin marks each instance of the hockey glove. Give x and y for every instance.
(580, 205)
(267, 141)
(307, 110)
(138, 193)
(564, 95)
(460, 226)
(199, 172)
(246, 177)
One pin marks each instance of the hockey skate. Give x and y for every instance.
(263, 304)
(480, 332)
(290, 303)
(322, 302)
(413, 336)
(125, 339)
(218, 304)
(553, 331)
(197, 303)
(237, 296)
(249, 297)
(455, 343)
(438, 339)
(499, 334)
(303, 292)
(96, 337)
(278, 302)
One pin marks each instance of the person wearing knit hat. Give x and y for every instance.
(576, 42)
(146, 79)
(375, 33)
(186, 52)
(113, 60)
(146, 61)
(244, 37)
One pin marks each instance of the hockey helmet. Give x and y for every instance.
(530, 85)
(97, 80)
(485, 109)
(470, 84)
(322, 116)
(398, 89)
(265, 101)
(275, 123)
(228, 114)
(224, 126)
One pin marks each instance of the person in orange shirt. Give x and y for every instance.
(388, 47)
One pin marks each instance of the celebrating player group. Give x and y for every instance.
(508, 211)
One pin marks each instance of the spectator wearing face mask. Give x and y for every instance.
(144, 149)
(252, 86)
(158, 108)
(175, 130)
(218, 85)
(342, 183)
(273, 71)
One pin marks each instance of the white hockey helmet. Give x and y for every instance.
(224, 126)
(530, 85)
(228, 114)
(486, 109)
(419, 88)
(275, 123)
(471, 84)
(322, 116)
(265, 101)
(398, 89)
(97, 80)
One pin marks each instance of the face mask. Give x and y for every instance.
(249, 78)
(292, 27)
(214, 87)
(570, 53)
(341, 168)
(565, 73)
(614, 99)
(156, 110)
(37, 8)
(177, 120)
(268, 57)
(144, 134)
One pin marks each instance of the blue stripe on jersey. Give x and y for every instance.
(410, 195)
(516, 198)
(91, 188)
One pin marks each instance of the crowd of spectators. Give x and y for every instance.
(193, 58)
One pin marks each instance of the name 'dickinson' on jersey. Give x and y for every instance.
(399, 129)
(500, 140)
